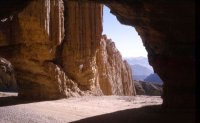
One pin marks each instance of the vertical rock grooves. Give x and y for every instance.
(39, 31)
(83, 33)
(57, 51)
(114, 74)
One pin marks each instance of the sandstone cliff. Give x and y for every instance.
(115, 75)
(30, 40)
(85, 53)
(167, 29)
(83, 25)
(53, 46)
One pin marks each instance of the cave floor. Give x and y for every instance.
(88, 109)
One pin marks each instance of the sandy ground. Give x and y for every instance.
(67, 110)
(89, 109)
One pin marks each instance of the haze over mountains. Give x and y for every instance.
(143, 61)
(141, 70)
(140, 67)
(153, 78)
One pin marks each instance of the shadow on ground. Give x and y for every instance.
(148, 114)
(13, 100)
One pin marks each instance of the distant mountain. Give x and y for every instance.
(140, 70)
(143, 61)
(153, 78)
(139, 77)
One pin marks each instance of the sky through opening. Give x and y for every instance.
(126, 39)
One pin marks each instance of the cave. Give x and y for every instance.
(129, 44)
(34, 44)
(167, 30)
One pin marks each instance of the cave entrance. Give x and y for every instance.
(8, 82)
(130, 45)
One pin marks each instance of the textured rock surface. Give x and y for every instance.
(54, 50)
(148, 88)
(83, 24)
(167, 29)
(115, 75)
(89, 59)
(7, 76)
(29, 41)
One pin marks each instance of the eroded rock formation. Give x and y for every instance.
(167, 29)
(7, 76)
(90, 59)
(53, 46)
(115, 75)
(83, 24)
(29, 40)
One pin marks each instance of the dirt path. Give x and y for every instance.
(68, 110)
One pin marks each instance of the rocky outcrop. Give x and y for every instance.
(83, 53)
(7, 76)
(148, 88)
(53, 46)
(115, 75)
(167, 29)
(83, 25)
(30, 41)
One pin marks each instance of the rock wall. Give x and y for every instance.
(30, 41)
(53, 47)
(7, 76)
(90, 59)
(167, 29)
(115, 75)
(83, 24)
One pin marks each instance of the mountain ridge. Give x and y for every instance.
(141, 60)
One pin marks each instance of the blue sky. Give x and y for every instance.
(126, 39)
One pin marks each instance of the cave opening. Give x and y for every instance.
(168, 33)
(131, 47)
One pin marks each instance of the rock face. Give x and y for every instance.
(147, 88)
(53, 46)
(167, 29)
(7, 76)
(115, 75)
(83, 24)
(90, 59)
(30, 41)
